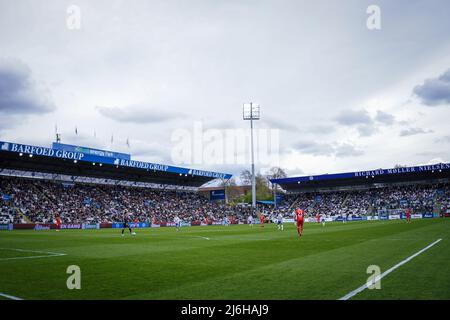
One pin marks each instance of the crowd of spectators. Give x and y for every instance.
(419, 198)
(41, 201)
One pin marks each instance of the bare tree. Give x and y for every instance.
(246, 177)
(276, 173)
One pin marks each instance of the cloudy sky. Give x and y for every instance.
(343, 97)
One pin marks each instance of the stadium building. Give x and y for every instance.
(379, 193)
(38, 183)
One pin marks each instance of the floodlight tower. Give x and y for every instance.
(251, 111)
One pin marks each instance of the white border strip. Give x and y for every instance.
(9, 297)
(48, 254)
(378, 278)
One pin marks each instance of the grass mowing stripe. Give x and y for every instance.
(378, 278)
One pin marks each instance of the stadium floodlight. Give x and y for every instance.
(251, 111)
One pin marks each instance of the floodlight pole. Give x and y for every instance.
(250, 115)
(253, 161)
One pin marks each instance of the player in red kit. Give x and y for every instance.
(299, 218)
(58, 223)
(408, 215)
(318, 218)
(262, 219)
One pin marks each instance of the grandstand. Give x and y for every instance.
(374, 193)
(90, 186)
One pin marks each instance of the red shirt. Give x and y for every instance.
(261, 218)
(299, 215)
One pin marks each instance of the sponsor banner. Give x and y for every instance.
(427, 215)
(90, 151)
(185, 224)
(394, 217)
(87, 226)
(139, 225)
(71, 226)
(95, 156)
(8, 226)
(362, 174)
(170, 224)
(217, 195)
(383, 218)
(105, 225)
(288, 220)
(416, 216)
(339, 219)
(6, 197)
(42, 226)
(23, 225)
(356, 218)
(203, 224)
(136, 225)
(155, 225)
(216, 223)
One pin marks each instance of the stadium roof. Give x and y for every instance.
(89, 163)
(394, 175)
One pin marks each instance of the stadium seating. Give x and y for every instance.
(39, 201)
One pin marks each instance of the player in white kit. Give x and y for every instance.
(177, 223)
(250, 220)
(280, 222)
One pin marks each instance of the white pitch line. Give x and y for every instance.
(7, 296)
(48, 254)
(378, 278)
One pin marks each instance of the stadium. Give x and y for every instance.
(224, 159)
(354, 220)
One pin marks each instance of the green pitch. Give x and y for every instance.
(235, 262)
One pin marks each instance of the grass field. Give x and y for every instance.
(235, 262)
